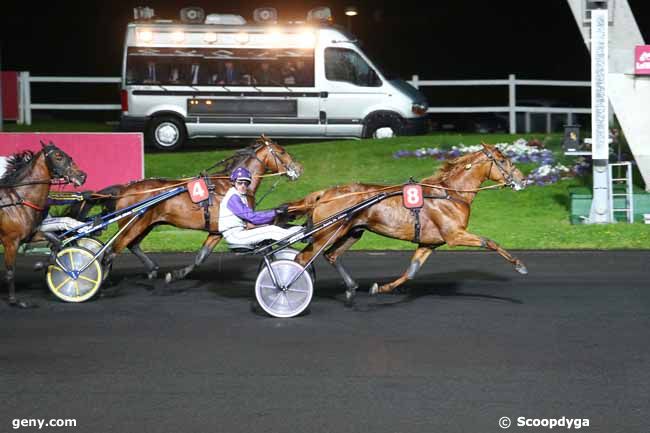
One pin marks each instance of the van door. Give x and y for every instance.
(353, 88)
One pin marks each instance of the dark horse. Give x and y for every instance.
(23, 197)
(265, 156)
(444, 217)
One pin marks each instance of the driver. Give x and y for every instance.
(235, 216)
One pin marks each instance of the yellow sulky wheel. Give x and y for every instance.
(68, 288)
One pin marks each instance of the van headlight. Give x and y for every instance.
(419, 108)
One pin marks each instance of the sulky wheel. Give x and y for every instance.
(91, 244)
(288, 254)
(94, 246)
(285, 301)
(74, 286)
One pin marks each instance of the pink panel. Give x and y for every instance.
(107, 158)
(642, 60)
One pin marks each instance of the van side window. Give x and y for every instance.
(346, 65)
(281, 67)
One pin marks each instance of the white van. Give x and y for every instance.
(184, 80)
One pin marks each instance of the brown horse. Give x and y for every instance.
(443, 219)
(262, 157)
(23, 197)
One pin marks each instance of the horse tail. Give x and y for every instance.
(104, 198)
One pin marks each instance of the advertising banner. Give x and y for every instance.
(642, 60)
(107, 158)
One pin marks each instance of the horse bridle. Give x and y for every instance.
(507, 175)
(289, 168)
(55, 171)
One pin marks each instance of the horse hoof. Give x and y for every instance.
(23, 305)
(521, 268)
(349, 297)
(374, 289)
(168, 278)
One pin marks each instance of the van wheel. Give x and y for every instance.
(166, 133)
(384, 126)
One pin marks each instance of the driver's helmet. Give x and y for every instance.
(240, 173)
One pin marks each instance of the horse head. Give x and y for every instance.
(61, 165)
(501, 169)
(276, 159)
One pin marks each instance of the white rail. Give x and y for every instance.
(512, 108)
(26, 106)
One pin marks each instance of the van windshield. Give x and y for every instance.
(386, 73)
(225, 67)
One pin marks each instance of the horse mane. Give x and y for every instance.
(238, 158)
(17, 164)
(450, 167)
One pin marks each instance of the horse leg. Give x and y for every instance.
(11, 247)
(208, 246)
(464, 238)
(132, 235)
(332, 256)
(134, 247)
(152, 267)
(419, 257)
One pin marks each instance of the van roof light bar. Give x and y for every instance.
(141, 13)
(320, 14)
(265, 15)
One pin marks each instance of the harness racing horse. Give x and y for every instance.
(23, 197)
(262, 157)
(443, 218)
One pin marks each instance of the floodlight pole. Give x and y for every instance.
(600, 212)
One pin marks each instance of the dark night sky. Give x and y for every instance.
(441, 39)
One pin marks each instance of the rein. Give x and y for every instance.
(447, 197)
(182, 181)
(36, 182)
(21, 201)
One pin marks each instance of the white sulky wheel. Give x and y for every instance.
(94, 246)
(91, 244)
(289, 301)
(288, 254)
(68, 288)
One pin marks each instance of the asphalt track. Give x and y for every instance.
(471, 341)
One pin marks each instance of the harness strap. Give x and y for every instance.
(416, 215)
(32, 205)
(207, 203)
(24, 203)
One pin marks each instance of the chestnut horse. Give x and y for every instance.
(443, 218)
(262, 157)
(23, 197)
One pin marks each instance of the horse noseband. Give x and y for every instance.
(510, 181)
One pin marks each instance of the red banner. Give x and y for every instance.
(642, 60)
(107, 158)
(10, 95)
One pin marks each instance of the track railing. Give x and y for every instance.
(26, 105)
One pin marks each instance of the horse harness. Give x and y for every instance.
(415, 211)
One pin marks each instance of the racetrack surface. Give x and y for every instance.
(470, 341)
